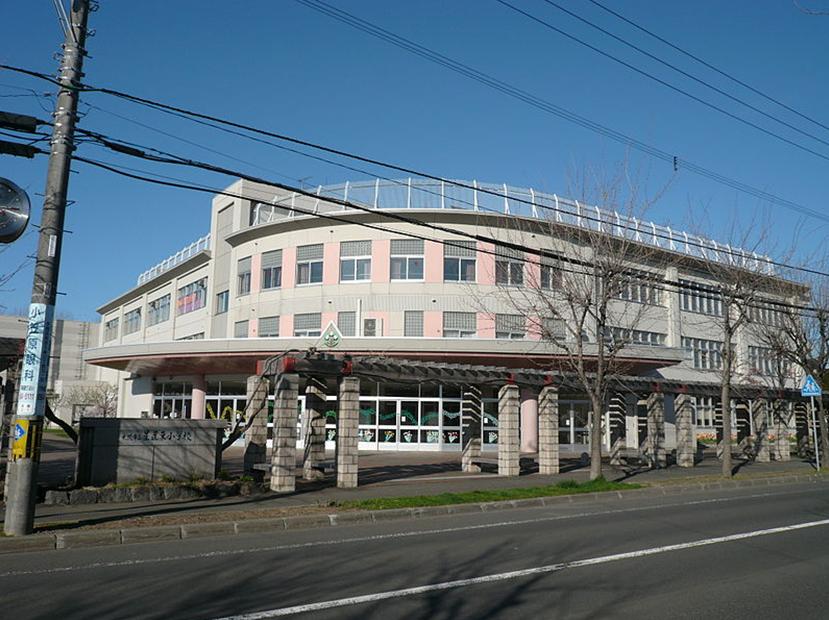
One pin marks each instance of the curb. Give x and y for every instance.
(164, 533)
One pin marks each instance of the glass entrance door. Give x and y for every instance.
(573, 425)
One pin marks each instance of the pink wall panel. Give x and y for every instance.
(331, 264)
(380, 256)
(288, 269)
(255, 273)
(532, 272)
(286, 324)
(486, 264)
(433, 261)
(486, 325)
(432, 324)
(326, 318)
(253, 326)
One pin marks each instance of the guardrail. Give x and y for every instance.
(176, 259)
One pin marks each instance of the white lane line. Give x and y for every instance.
(377, 537)
(517, 574)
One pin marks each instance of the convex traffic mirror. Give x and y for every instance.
(14, 211)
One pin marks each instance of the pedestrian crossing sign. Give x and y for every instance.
(810, 387)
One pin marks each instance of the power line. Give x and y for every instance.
(675, 88)
(503, 87)
(708, 65)
(113, 145)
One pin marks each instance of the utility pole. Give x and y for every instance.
(26, 429)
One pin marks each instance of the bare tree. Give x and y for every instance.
(93, 400)
(796, 335)
(591, 294)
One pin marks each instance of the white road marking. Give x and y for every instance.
(377, 537)
(517, 574)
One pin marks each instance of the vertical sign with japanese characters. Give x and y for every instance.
(35, 361)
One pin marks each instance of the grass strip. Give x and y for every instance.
(565, 487)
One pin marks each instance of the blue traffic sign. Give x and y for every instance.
(19, 431)
(810, 387)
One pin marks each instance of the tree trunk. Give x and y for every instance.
(726, 426)
(596, 438)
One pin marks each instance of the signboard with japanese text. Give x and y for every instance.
(35, 361)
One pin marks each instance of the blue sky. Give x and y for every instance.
(282, 66)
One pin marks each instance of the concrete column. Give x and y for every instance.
(686, 440)
(283, 455)
(721, 441)
(348, 418)
(781, 421)
(656, 430)
(548, 461)
(471, 413)
(256, 435)
(529, 421)
(508, 444)
(197, 397)
(617, 417)
(313, 425)
(760, 443)
(801, 422)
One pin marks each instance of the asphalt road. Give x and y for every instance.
(760, 552)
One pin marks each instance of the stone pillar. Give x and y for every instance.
(283, 454)
(256, 435)
(508, 445)
(656, 430)
(686, 440)
(313, 427)
(743, 419)
(197, 397)
(529, 420)
(781, 421)
(760, 443)
(348, 419)
(617, 418)
(548, 462)
(801, 422)
(721, 440)
(471, 413)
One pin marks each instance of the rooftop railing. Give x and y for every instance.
(176, 259)
(508, 200)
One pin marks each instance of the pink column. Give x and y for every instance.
(380, 257)
(532, 272)
(197, 397)
(286, 325)
(432, 324)
(433, 262)
(331, 263)
(288, 268)
(486, 325)
(486, 263)
(255, 273)
(529, 420)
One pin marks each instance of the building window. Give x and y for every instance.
(764, 361)
(406, 259)
(243, 276)
(191, 297)
(459, 261)
(766, 313)
(642, 288)
(196, 336)
(413, 323)
(307, 324)
(269, 327)
(705, 354)
(347, 323)
(550, 276)
(510, 326)
(272, 269)
(624, 336)
(240, 329)
(553, 328)
(703, 408)
(309, 264)
(132, 321)
(372, 327)
(222, 302)
(158, 310)
(695, 298)
(111, 330)
(509, 267)
(460, 325)
(355, 261)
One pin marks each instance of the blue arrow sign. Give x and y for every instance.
(810, 387)
(19, 431)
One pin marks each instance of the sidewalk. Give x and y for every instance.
(382, 474)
